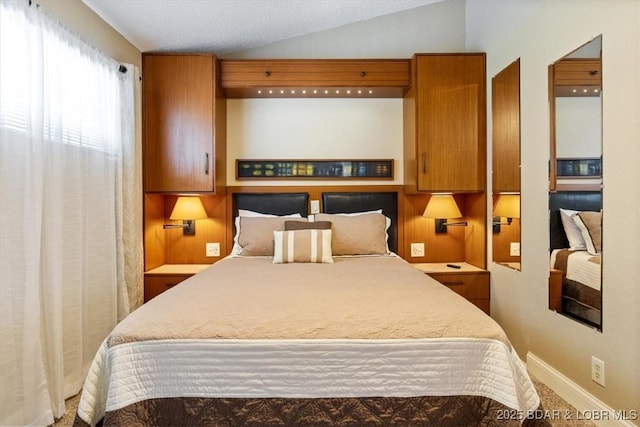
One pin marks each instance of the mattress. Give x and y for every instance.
(362, 327)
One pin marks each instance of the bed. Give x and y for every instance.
(348, 339)
(576, 251)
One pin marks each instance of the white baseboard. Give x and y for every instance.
(587, 405)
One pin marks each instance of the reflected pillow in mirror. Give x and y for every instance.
(574, 235)
(590, 225)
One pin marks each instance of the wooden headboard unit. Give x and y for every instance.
(573, 200)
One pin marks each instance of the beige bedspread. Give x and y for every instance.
(356, 297)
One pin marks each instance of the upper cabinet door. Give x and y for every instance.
(445, 123)
(181, 112)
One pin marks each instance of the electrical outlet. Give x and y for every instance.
(417, 249)
(212, 249)
(597, 370)
(315, 206)
(514, 249)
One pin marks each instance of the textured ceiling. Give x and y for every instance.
(224, 26)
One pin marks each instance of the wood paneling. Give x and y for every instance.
(505, 104)
(475, 244)
(503, 239)
(446, 247)
(154, 234)
(181, 249)
(288, 78)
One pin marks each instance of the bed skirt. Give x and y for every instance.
(434, 411)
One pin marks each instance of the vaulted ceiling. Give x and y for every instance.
(225, 26)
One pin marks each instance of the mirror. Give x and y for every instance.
(505, 104)
(575, 184)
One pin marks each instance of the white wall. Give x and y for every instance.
(578, 127)
(314, 129)
(540, 32)
(339, 128)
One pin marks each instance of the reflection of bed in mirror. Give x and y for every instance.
(576, 260)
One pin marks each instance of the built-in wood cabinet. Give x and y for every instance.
(466, 280)
(166, 276)
(445, 124)
(312, 78)
(555, 290)
(505, 95)
(184, 124)
(578, 72)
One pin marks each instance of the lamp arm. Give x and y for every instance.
(455, 223)
(175, 225)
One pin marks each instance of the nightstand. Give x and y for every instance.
(469, 281)
(555, 290)
(159, 279)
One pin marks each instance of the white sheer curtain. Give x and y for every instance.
(68, 186)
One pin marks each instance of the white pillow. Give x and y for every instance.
(237, 249)
(574, 235)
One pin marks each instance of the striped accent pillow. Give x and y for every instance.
(302, 246)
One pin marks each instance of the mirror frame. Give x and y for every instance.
(506, 163)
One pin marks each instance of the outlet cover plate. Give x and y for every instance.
(417, 249)
(597, 370)
(514, 249)
(212, 249)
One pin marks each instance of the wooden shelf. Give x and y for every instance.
(440, 267)
(315, 78)
(177, 269)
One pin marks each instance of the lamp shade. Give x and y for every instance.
(188, 208)
(442, 206)
(507, 206)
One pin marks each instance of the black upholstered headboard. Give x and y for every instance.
(574, 200)
(360, 202)
(271, 203)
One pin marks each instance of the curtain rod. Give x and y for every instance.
(121, 68)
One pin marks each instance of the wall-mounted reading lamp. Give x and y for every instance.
(188, 209)
(507, 206)
(442, 207)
